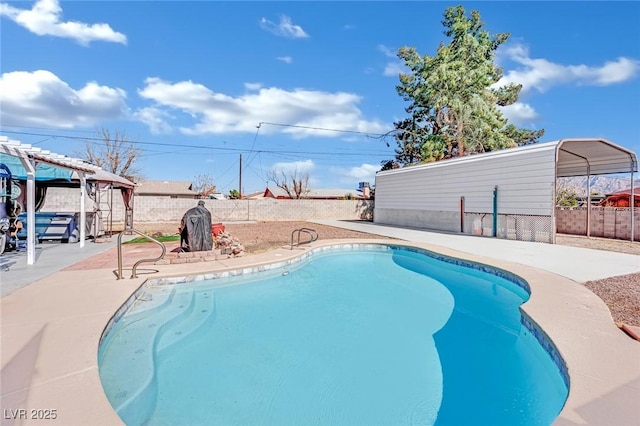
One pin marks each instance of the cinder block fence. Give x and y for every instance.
(157, 209)
(607, 222)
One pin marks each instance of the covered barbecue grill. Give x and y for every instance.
(195, 229)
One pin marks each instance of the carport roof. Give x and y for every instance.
(574, 157)
(582, 157)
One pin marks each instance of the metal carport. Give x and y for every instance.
(511, 186)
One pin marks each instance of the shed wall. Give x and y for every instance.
(429, 196)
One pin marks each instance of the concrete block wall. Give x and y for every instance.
(607, 222)
(156, 209)
(571, 221)
(427, 219)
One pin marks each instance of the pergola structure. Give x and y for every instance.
(33, 158)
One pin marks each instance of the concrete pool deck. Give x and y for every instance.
(51, 329)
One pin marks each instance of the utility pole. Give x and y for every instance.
(240, 180)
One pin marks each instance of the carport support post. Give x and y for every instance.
(83, 215)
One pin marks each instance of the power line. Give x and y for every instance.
(325, 129)
(173, 145)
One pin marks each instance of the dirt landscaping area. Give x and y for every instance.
(621, 294)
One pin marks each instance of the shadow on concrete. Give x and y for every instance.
(16, 378)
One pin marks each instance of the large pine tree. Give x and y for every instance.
(453, 107)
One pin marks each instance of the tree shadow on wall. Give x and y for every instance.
(364, 208)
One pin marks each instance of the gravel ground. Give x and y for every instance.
(621, 294)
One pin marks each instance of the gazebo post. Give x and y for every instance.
(83, 215)
(30, 167)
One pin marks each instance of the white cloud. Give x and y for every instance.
(219, 113)
(306, 166)
(363, 173)
(542, 74)
(285, 59)
(283, 29)
(348, 27)
(387, 51)
(44, 19)
(392, 68)
(253, 86)
(41, 98)
(519, 113)
(154, 118)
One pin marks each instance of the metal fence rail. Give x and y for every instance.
(510, 227)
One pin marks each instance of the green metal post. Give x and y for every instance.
(495, 211)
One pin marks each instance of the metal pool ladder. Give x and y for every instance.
(135, 265)
(313, 235)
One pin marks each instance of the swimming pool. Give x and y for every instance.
(362, 335)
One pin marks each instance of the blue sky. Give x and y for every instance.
(193, 81)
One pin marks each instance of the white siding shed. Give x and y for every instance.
(458, 195)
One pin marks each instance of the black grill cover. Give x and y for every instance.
(196, 229)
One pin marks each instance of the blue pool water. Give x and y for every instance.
(384, 336)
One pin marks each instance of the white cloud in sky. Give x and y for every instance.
(44, 19)
(285, 59)
(253, 86)
(301, 167)
(542, 74)
(41, 98)
(363, 173)
(155, 118)
(217, 113)
(285, 28)
(388, 52)
(519, 113)
(392, 68)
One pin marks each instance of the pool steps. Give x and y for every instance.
(188, 312)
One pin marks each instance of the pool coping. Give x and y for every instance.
(58, 344)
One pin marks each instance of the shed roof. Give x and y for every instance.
(165, 187)
(574, 157)
(321, 193)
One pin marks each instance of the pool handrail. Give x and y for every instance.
(312, 234)
(135, 265)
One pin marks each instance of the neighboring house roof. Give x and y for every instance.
(254, 195)
(319, 194)
(636, 192)
(159, 187)
(622, 199)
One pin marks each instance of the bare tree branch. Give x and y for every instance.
(296, 184)
(114, 153)
(204, 186)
